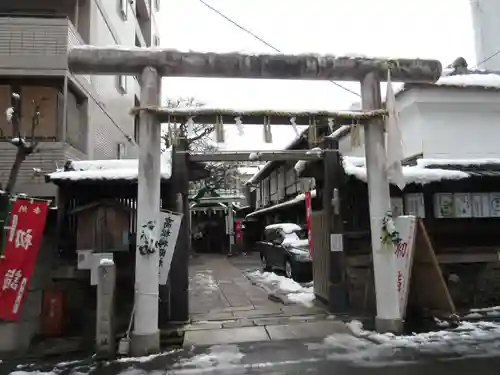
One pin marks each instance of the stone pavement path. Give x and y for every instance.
(225, 307)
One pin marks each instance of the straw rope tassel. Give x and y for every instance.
(268, 135)
(219, 130)
(312, 131)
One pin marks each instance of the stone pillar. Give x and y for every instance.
(105, 332)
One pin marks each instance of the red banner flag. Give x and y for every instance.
(308, 220)
(24, 235)
(239, 234)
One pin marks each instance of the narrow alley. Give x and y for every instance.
(228, 306)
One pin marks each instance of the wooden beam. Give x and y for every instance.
(339, 133)
(173, 63)
(256, 155)
(208, 115)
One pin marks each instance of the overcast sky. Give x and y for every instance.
(440, 29)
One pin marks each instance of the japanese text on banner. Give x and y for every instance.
(24, 235)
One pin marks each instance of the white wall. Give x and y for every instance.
(410, 121)
(461, 124)
(446, 123)
(486, 23)
(109, 28)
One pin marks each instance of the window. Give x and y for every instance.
(271, 235)
(157, 5)
(123, 8)
(156, 41)
(122, 84)
(121, 151)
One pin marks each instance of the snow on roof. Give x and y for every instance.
(115, 169)
(285, 227)
(248, 170)
(470, 80)
(423, 163)
(299, 198)
(301, 164)
(413, 174)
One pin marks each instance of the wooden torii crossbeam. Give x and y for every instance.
(257, 155)
(209, 115)
(152, 64)
(174, 63)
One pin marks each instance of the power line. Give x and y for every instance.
(487, 59)
(249, 32)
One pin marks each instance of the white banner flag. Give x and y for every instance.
(169, 231)
(394, 145)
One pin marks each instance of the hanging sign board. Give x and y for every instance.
(170, 224)
(24, 236)
(403, 253)
(308, 219)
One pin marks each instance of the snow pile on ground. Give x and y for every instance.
(205, 280)
(218, 356)
(144, 359)
(469, 338)
(295, 292)
(488, 312)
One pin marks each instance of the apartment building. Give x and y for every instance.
(81, 117)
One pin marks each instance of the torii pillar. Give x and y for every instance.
(154, 63)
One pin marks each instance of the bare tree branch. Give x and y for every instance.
(24, 148)
(222, 175)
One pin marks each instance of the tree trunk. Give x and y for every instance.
(14, 171)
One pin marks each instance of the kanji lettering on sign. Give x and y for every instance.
(23, 239)
(11, 279)
(401, 249)
(401, 281)
(23, 209)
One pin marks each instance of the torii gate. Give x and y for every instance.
(152, 64)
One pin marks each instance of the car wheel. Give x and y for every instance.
(264, 264)
(289, 269)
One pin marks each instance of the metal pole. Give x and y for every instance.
(146, 335)
(388, 319)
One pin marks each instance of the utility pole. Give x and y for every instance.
(146, 335)
(388, 317)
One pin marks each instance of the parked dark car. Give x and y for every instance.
(285, 246)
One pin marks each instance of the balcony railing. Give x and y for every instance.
(36, 43)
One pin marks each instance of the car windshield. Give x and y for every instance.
(294, 236)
